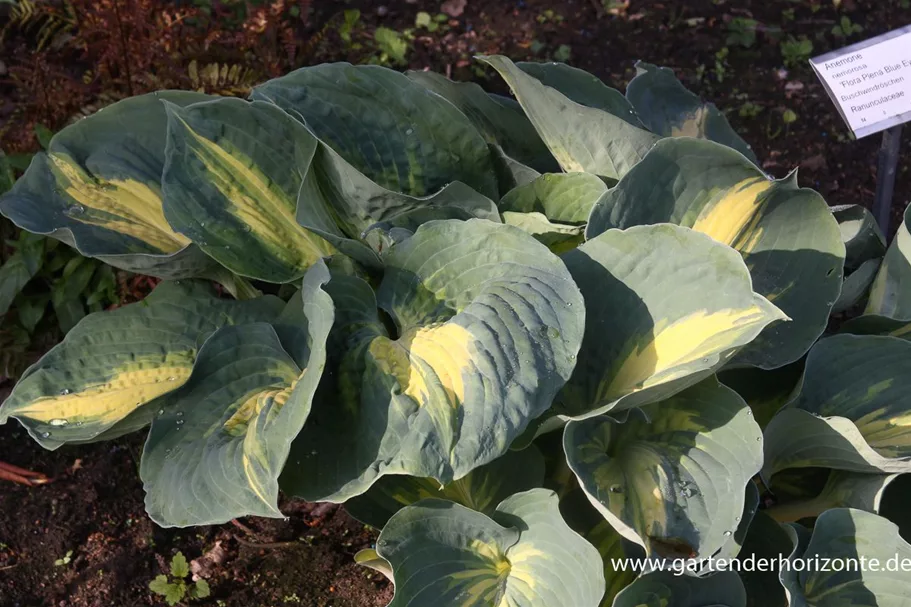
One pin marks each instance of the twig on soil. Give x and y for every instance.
(267, 545)
(259, 545)
(9, 472)
(8, 567)
(243, 528)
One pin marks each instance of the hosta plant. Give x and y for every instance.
(526, 337)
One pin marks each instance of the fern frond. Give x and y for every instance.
(48, 23)
(222, 78)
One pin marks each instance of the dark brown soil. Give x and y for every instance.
(95, 506)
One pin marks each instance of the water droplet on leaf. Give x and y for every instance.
(59, 422)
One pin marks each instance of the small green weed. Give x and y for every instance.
(796, 51)
(845, 28)
(175, 588)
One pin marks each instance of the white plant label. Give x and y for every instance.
(870, 82)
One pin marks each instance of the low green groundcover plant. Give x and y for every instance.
(525, 337)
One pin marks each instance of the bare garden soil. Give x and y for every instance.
(93, 510)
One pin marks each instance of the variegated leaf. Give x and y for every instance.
(581, 138)
(399, 134)
(218, 445)
(484, 326)
(98, 189)
(114, 363)
(668, 109)
(786, 234)
(523, 555)
(665, 307)
(673, 478)
(852, 412)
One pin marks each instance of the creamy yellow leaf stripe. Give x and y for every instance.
(98, 188)
(687, 307)
(786, 234)
(217, 446)
(522, 555)
(112, 364)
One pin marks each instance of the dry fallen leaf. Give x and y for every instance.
(454, 8)
(205, 565)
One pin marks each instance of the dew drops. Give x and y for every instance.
(161, 412)
(76, 209)
(45, 434)
(727, 534)
(247, 228)
(750, 412)
(179, 422)
(180, 414)
(313, 453)
(59, 422)
(172, 378)
(616, 489)
(409, 131)
(758, 439)
(64, 392)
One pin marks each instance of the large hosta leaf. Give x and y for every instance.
(666, 589)
(786, 234)
(113, 363)
(481, 490)
(672, 479)
(862, 237)
(666, 307)
(581, 138)
(231, 184)
(499, 119)
(523, 555)
(98, 188)
(562, 197)
(849, 540)
(255, 189)
(399, 134)
(668, 109)
(554, 207)
(583, 88)
(864, 249)
(218, 445)
(487, 325)
(890, 295)
(852, 412)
